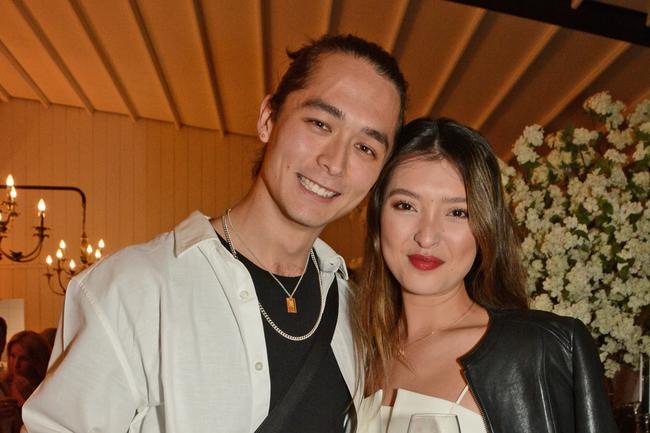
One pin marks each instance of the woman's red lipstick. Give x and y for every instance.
(424, 263)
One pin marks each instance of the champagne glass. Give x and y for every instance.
(434, 423)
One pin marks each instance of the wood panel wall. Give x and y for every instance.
(140, 178)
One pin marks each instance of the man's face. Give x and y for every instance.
(327, 144)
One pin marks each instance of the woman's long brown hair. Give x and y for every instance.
(496, 279)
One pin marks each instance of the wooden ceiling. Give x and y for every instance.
(208, 63)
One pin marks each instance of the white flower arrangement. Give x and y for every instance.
(580, 198)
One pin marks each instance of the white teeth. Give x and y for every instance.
(315, 188)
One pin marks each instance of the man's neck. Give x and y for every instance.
(259, 230)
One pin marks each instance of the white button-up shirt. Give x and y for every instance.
(167, 337)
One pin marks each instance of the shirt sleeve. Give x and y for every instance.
(89, 385)
(593, 412)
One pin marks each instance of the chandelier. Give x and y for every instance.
(62, 268)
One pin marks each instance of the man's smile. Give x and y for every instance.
(315, 188)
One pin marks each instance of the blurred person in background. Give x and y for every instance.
(8, 405)
(27, 356)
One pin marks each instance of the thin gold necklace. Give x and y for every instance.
(402, 349)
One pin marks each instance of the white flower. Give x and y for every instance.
(578, 282)
(640, 114)
(611, 367)
(574, 187)
(582, 136)
(542, 302)
(534, 135)
(523, 152)
(618, 177)
(620, 139)
(507, 172)
(642, 179)
(616, 156)
(599, 103)
(641, 150)
(554, 158)
(553, 285)
(557, 264)
(528, 246)
(624, 233)
(540, 175)
(602, 104)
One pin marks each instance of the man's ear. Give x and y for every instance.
(265, 120)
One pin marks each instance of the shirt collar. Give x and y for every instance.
(196, 228)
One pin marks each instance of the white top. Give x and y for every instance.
(375, 418)
(167, 337)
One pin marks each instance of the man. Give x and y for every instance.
(205, 329)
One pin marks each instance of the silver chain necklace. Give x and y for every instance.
(266, 316)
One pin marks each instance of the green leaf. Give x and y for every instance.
(624, 273)
(567, 134)
(605, 206)
(583, 215)
(581, 233)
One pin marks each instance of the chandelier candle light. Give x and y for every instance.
(9, 208)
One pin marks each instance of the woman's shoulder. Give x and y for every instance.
(545, 323)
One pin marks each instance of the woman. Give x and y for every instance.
(441, 309)
(27, 356)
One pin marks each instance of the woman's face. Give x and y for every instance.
(19, 362)
(426, 239)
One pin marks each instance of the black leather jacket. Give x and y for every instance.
(537, 372)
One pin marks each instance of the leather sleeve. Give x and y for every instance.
(593, 412)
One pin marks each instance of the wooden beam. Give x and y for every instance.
(334, 17)
(101, 52)
(589, 78)
(516, 74)
(151, 51)
(456, 54)
(264, 45)
(394, 37)
(209, 64)
(4, 95)
(54, 54)
(24, 74)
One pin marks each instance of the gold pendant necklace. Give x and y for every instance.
(268, 319)
(402, 349)
(290, 300)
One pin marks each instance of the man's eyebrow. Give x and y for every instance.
(336, 112)
(379, 136)
(322, 105)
